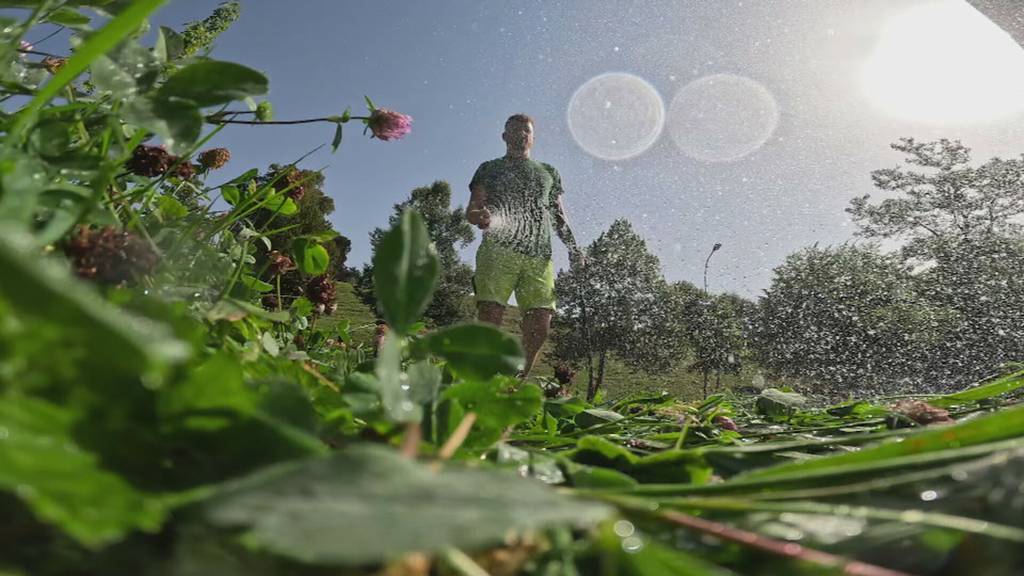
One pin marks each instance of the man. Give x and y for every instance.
(516, 200)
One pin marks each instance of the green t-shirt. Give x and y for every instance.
(521, 195)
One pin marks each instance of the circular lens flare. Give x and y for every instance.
(616, 116)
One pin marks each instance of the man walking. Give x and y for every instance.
(516, 201)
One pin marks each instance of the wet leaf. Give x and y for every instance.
(210, 82)
(405, 271)
(367, 504)
(474, 351)
(62, 483)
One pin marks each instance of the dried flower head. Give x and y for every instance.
(381, 333)
(185, 170)
(922, 412)
(269, 301)
(564, 374)
(388, 124)
(153, 161)
(53, 64)
(289, 181)
(320, 290)
(279, 263)
(725, 423)
(214, 158)
(149, 161)
(110, 257)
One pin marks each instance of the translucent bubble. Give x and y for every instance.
(616, 116)
(929, 495)
(722, 117)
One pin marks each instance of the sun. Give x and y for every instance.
(945, 63)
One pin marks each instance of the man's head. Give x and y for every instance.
(518, 133)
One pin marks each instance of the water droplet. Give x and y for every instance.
(633, 544)
(929, 495)
(624, 528)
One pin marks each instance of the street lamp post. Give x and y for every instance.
(703, 324)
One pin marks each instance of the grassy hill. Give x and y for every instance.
(361, 318)
(620, 380)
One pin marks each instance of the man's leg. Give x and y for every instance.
(536, 325)
(490, 312)
(493, 282)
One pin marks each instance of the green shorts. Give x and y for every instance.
(500, 272)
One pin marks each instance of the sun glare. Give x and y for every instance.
(945, 63)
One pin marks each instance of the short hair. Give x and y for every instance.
(517, 118)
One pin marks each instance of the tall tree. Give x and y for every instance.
(964, 225)
(614, 305)
(714, 327)
(844, 317)
(449, 231)
(949, 203)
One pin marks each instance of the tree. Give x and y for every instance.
(714, 327)
(981, 285)
(952, 203)
(616, 304)
(844, 317)
(963, 225)
(449, 231)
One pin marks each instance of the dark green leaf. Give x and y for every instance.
(475, 351)
(405, 271)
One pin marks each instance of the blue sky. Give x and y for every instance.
(460, 67)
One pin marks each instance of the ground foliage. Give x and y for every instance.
(160, 420)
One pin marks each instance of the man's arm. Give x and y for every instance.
(562, 227)
(476, 211)
(560, 220)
